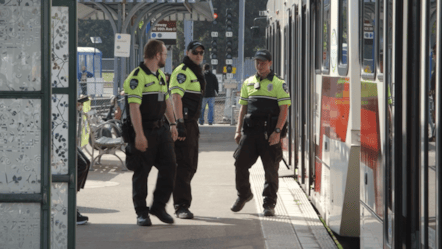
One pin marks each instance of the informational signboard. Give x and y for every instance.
(165, 31)
(122, 45)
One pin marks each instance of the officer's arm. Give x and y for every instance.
(135, 117)
(177, 105)
(242, 113)
(283, 112)
(169, 112)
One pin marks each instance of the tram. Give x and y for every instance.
(364, 138)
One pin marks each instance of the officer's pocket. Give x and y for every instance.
(277, 152)
(238, 149)
(134, 157)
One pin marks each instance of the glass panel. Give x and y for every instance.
(344, 32)
(59, 215)
(368, 36)
(431, 119)
(20, 146)
(381, 36)
(318, 32)
(20, 45)
(326, 35)
(97, 66)
(89, 62)
(60, 46)
(20, 225)
(390, 131)
(60, 133)
(81, 62)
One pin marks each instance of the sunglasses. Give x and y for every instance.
(196, 52)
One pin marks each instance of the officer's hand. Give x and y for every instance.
(141, 143)
(182, 133)
(274, 138)
(174, 132)
(237, 137)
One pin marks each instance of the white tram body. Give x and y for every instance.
(335, 138)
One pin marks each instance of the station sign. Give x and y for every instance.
(165, 31)
(122, 45)
(368, 35)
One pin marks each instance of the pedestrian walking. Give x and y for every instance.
(150, 143)
(209, 95)
(187, 86)
(264, 107)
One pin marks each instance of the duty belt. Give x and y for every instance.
(153, 124)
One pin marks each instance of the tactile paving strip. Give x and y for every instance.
(296, 224)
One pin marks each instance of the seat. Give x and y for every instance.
(106, 138)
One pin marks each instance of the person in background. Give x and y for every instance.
(209, 95)
(83, 164)
(82, 78)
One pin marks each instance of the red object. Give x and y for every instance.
(215, 15)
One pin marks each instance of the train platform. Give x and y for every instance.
(107, 201)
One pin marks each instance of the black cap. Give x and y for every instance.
(263, 55)
(194, 44)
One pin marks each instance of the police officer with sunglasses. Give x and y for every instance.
(187, 86)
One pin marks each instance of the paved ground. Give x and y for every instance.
(107, 201)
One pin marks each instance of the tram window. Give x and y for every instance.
(318, 30)
(343, 37)
(381, 37)
(368, 37)
(326, 36)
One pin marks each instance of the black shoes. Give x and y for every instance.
(269, 211)
(144, 220)
(162, 215)
(239, 203)
(210, 123)
(81, 220)
(184, 213)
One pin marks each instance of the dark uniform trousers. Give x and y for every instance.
(83, 165)
(187, 159)
(253, 143)
(160, 153)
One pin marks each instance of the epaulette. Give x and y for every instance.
(136, 71)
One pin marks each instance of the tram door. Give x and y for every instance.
(287, 142)
(294, 91)
(428, 98)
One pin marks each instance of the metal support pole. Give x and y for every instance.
(116, 59)
(232, 102)
(241, 42)
(188, 33)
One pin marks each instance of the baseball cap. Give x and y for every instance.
(263, 55)
(194, 44)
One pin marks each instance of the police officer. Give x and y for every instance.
(149, 102)
(187, 85)
(264, 107)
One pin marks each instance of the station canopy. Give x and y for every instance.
(197, 10)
